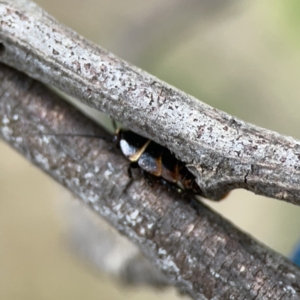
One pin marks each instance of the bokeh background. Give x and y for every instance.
(240, 56)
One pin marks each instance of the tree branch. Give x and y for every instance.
(222, 151)
(199, 252)
(108, 252)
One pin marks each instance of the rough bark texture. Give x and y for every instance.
(222, 151)
(198, 251)
(103, 248)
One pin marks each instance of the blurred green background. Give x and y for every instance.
(239, 56)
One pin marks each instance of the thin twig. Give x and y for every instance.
(198, 251)
(222, 151)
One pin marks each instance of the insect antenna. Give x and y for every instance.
(114, 125)
(102, 137)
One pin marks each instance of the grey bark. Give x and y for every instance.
(222, 151)
(198, 251)
(105, 250)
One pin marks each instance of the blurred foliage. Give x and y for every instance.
(287, 13)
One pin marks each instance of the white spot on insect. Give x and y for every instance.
(96, 169)
(5, 120)
(242, 268)
(126, 148)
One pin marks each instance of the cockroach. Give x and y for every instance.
(156, 160)
(153, 159)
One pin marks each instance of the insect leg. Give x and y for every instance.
(171, 186)
(147, 178)
(132, 165)
(114, 124)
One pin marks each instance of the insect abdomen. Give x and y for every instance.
(156, 160)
